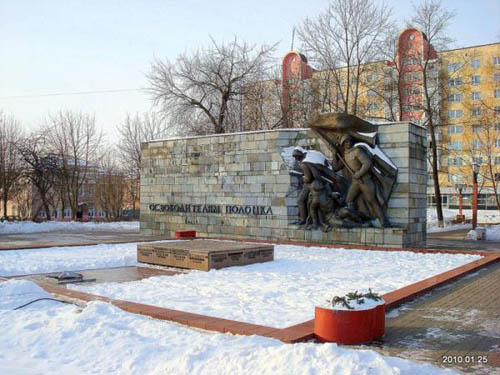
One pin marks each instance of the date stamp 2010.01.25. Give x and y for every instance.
(464, 359)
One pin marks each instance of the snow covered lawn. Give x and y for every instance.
(16, 227)
(483, 217)
(283, 292)
(52, 338)
(278, 294)
(21, 262)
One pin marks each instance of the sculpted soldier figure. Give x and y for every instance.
(317, 175)
(356, 197)
(299, 154)
(359, 164)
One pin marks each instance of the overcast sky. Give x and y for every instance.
(51, 48)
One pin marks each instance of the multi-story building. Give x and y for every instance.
(459, 90)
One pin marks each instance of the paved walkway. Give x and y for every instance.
(457, 325)
(65, 238)
(457, 240)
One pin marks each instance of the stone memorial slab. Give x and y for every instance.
(204, 255)
(355, 183)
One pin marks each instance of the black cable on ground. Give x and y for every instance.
(45, 298)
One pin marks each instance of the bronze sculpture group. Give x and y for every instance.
(353, 187)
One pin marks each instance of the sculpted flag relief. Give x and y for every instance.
(353, 187)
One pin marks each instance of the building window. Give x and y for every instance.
(102, 213)
(81, 191)
(497, 110)
(497, 142)
(91, 212)
(477, 159)
(67, 212)
(453, 67)
(455, 82)
(476, 80)
(411, 61)
(476, 95)
(476, 128)
(372, 107)
(497, 160)
(454, 113)
(496, 77)
(411, 108)
(496, 60)
(455, 129)
(476, 111)
(496, 93)
(475, 63)
(371, 93)
(372, 77)
(412, 76)
(407, 92)
(455, 145)
(477, 144)
(455, 98)
(455, 161)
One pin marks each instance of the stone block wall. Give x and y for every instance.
(239, 186)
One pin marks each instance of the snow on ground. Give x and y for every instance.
(52, 338)
(493, 233)
(21, 262)
(15, 227)
(483, 217)
(279, 293)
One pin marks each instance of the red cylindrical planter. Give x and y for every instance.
(349, 326)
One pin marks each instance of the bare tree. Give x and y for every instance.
(300, 101)
(262, 106)
(24, 198)
(133, 131)
(384, 79)
(341, 40)
(431, 18)
(41, 170)
(110, 184)
(76, 143)
(10, 163)
(203, 85)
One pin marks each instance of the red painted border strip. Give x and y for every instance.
(355, 247)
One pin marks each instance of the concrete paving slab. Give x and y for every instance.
(457, 325)
(62, 238)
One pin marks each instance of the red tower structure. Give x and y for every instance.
(294, 69)
(414, 50)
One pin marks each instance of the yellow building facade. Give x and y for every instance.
(466, 106)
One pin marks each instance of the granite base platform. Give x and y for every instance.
(377, 237)
(204, 255)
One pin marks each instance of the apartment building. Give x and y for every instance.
(459, 88)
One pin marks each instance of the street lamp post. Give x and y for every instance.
(460, 216)
(475, 172)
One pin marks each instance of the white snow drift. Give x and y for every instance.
(51, 338)
(18, 227)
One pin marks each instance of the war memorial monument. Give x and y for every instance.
(340, 180)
